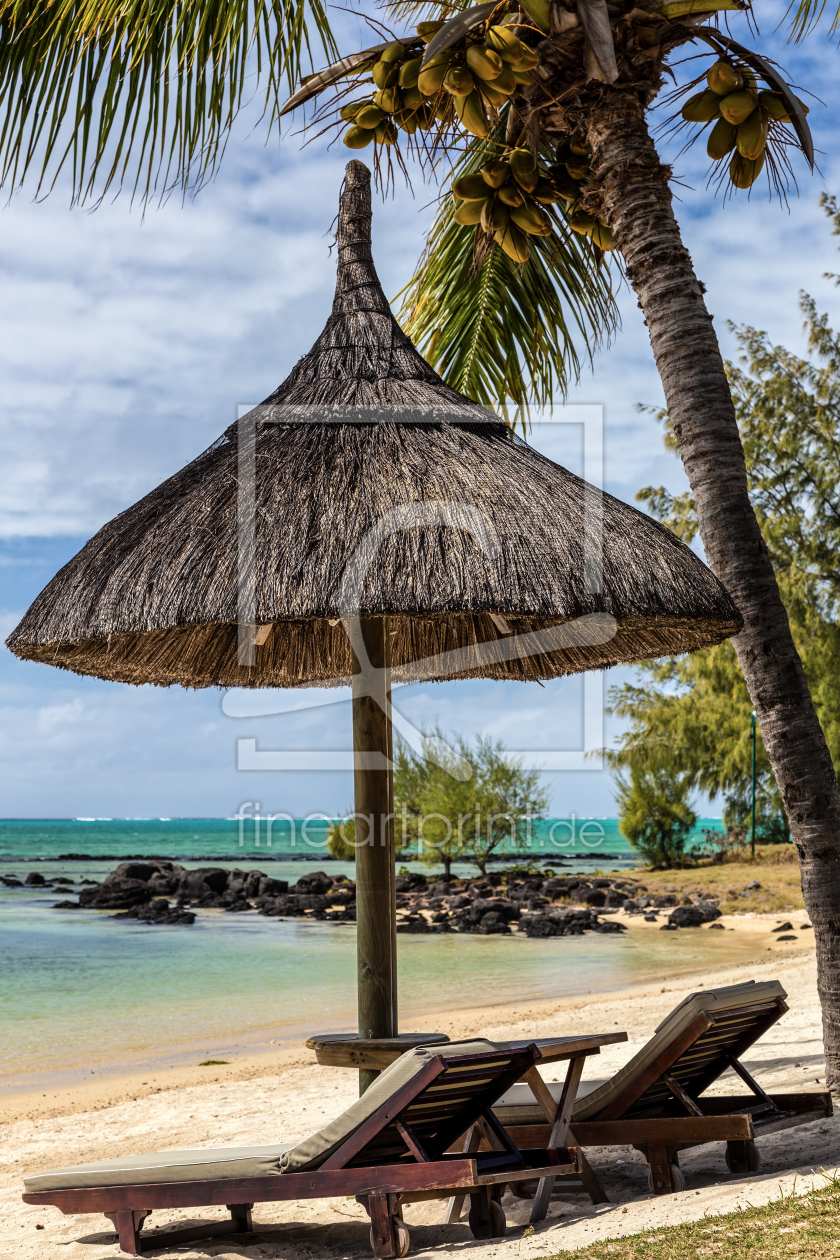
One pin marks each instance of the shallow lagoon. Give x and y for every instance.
(81, 991)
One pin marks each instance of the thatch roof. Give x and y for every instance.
(464, 536)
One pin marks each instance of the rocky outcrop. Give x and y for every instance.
(129, 885)
(499, 904)
(159, 912)
(138, 883)
(694, 915)
(566, 923)
(411, 882)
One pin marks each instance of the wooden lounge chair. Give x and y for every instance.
(388, 1148)
(657, 1102)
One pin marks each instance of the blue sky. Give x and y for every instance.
(127, 341)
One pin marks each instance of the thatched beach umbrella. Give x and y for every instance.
(367, 522)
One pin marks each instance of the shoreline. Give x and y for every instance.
(45, 1093)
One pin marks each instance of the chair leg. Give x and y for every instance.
(665, 1175)
(742, 1158)
(381, 1227)
(240, 1214)
(128, 1226)
(659, 1178)
(480, 1219)
(542, 1198)
(455, 1206)
(559, 1134)
(590, 1181)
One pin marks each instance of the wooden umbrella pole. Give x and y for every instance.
(392, 827)
(375, 891)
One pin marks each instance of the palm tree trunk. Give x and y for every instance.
(636, 202)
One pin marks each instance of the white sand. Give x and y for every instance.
(251, 1103)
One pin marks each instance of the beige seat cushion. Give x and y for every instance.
(144, 1170)
(711, 1000)
(252, 1161)
(312, 1152)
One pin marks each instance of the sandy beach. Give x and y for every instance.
(285, 1095)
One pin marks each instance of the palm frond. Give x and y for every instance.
(144, 91)
(459, 26)
(805, 15)
(425, 10)
(313, 84)
(500, 332)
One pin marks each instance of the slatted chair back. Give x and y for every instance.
(707, 1047)
(421, 1125)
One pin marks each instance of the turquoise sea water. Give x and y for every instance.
(232, 840)
(81, 992)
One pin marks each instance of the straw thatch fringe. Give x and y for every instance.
(436, 525)
(303, 653)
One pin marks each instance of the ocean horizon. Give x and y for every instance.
(275, 837)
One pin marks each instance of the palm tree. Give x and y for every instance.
(147, 95)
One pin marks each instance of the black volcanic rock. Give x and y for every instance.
(710, 910)
(410, 882)
(131, 884)
(414, 924)
(493, 924)
(482, 906)
(686, 917)
(318, 883)
(203, 883)
(538, 926)
(559, 923)
(159, 912)
(115, 893)
(138, 870)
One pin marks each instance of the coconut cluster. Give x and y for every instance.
(742, 116)
(469, 83)
(505, 198)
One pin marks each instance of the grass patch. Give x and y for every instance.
(792, 1228)
(775, 868)
(213, 1062)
